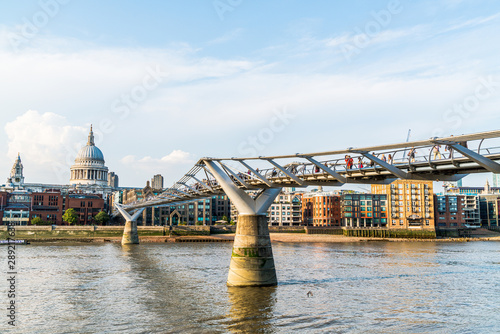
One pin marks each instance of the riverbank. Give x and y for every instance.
(275, 238)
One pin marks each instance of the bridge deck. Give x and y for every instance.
(466, 154)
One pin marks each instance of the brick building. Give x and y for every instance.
(449, 211)
(20, 207)
(86, 207)
(410, 204)
(48, 206)
(321, 209)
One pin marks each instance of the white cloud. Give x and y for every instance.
(148, 163)
(48, 144)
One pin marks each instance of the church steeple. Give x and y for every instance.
(487, 188)
(90, 142)
(16, 173)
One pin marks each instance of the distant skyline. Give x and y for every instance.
(167, 82)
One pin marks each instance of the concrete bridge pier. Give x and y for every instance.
(252, 261)
(130, 234)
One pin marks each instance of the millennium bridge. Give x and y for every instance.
(252, 262)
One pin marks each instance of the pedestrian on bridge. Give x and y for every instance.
(360, 163)
(435, 152)
(411, 154)
(349, 162)
(371, 163)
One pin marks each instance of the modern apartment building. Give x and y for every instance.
(364, 210)
(410, 204)
(286, 210)
(449, 211)
(471, 211)
(489, 210)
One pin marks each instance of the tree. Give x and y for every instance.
(40, 221)
(102, 218)
(70, 216)
(225, 218)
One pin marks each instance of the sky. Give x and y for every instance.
(165, 83)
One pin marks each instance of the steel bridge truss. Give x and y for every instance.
(458, 156)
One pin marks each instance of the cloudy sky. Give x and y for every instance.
(167, 82)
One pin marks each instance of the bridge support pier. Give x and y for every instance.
(130, 234)
(252, 261)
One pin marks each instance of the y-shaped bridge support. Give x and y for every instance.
(252, 262)
(130, 235)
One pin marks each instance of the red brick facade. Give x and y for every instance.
(321, 209)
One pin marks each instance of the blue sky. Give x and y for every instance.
(167, 82)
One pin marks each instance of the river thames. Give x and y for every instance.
(367, 287)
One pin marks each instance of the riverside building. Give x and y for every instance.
(364, 210)
(450, 211)
(321, 209)
(410, 204)
(286, 210)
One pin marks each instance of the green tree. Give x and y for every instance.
(225, 218)
(70, 216)
(40, 221)
(102, 218)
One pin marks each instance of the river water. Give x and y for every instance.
(369, 287)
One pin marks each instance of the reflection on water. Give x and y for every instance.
(381, 287)
(251, 309)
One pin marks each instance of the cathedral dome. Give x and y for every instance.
(89, 152)
(89, 165)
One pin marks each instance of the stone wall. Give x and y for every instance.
(60, 232)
